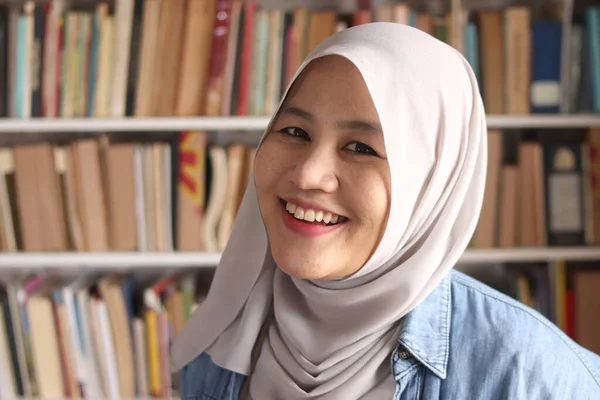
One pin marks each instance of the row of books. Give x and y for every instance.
(182, 194)
(542, 189)
(102, 336)
(92, 336)
(98, 195)
(231, 57)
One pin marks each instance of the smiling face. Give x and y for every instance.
(321, 174)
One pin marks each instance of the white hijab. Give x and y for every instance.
(333, 339)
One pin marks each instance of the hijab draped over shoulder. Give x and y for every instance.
(333, 339)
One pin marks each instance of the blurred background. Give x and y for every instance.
(127, 136)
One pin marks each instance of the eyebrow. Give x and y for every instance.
(360, 125)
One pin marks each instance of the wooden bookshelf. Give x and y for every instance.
(174, 124)
(115, 261)
(191, 77)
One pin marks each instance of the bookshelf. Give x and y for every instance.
(530, 255)
(174, 124)
(125, 261)
(152, 124)
(143, 111)
(117, 261)
(108, 261)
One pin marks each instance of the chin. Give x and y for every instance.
(302, 267)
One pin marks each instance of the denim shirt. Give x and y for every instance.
(464, 341)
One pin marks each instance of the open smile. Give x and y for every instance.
(310, 221)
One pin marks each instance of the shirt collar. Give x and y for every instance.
(425, 331)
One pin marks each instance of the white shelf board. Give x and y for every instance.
(550, 121)
(107, 260)
(152, 124)
(533, 254)
(157, 261)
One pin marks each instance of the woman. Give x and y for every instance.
(336, 282)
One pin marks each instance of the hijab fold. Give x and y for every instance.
(333, 339)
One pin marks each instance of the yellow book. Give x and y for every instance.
(524, 291)
(153, 353)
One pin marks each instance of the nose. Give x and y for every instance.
(316, 170)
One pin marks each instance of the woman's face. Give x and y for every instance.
(322, 176)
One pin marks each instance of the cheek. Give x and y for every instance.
(265, 165)
(269, 168)
(372, 199)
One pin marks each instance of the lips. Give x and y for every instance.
(310, 222)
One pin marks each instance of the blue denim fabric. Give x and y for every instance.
(465, 341)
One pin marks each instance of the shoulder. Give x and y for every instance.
(202, 378)
(514, 348)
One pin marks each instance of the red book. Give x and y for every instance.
(364, 4)
(289, 56)
(59, 56)
(218, 58)
(361, 17)
(246, 61)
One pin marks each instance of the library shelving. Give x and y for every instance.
(257, 123)
(118, 261)
(118, 121)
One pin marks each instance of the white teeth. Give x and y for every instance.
(319, 216)
(311, 215)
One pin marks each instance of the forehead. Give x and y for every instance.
(331, 84)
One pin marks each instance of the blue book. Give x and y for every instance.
(93, 67)
(592, 16)
(472, 50)
(546, 39)
(412, 18)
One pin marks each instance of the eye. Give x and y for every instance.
(295, 132)
(362, 148)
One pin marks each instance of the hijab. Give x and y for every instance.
(303, 339)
